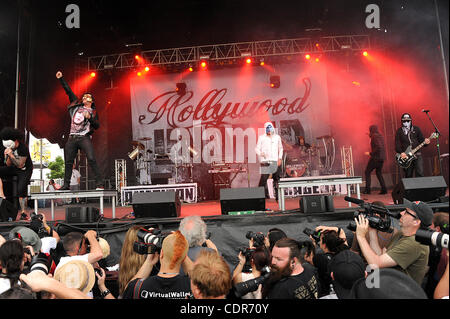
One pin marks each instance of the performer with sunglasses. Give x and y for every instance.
(410, 135)
(84, 120)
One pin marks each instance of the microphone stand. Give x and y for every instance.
(437, 141)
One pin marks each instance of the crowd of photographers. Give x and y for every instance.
(376, 261)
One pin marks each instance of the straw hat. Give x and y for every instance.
(105, 247)
(77, 274)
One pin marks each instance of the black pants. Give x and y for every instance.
(276, 178)
(376, 165)
(23, 178)
(415, 167)
(74, 144)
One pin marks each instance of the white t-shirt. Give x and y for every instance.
(74, 179)
(5, 284)
(257, 294)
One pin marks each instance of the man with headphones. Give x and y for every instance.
(410, 135)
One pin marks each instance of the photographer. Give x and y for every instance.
(168, 283)
(438, 258)
(288, 278)
(273, 235)
(403, 253)
(39, 225)
(12, 260)
(332, 240)
(259, 258)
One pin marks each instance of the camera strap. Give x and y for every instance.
(137, 288)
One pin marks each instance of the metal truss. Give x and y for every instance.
(220, 52)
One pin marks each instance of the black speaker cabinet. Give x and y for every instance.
(8, 212)
(316, 204)
(424, 189)
(242, 199)
(156, 204)
(82, 214)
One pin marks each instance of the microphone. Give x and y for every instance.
(425, 111)
(354, 200)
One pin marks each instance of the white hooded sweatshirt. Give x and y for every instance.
(269, 147)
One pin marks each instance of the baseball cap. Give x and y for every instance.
(392, 284)
(406, 117)
(347, 267)
(28, 237)
(423, 211)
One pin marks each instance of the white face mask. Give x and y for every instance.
(407, 125)
(9, 144)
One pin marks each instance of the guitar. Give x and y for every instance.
(406, 162)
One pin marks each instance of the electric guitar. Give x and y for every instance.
(406, 162)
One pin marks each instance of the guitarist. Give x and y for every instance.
(410, 135)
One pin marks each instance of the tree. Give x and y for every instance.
(56, 168)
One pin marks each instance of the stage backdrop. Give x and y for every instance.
(223, 112)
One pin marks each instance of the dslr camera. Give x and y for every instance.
(314, 234)
(379, 217)
(258, 238)
(245, 287)
(432, 238)
(42, 262)
(37, 225)
(149, 241)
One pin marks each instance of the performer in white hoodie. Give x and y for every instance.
(270, 153)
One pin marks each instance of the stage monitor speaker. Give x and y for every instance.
(82, 214)
(242, 199)
(316, 204)
(425, 189)
(8, 212)
(156, 204)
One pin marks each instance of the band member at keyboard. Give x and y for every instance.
(410, 135)
(84, 120)
(269, 149)
(377, 158)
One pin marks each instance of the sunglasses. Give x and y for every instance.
(413, 216)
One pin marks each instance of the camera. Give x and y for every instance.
(247, 252)
(245, 287)
(429, 237)
(41, 262)
(258, 238)
(37, 225)
(314, 234)
(379, 217)
(149, 241)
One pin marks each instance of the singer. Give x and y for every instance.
(410, 135)
(84, 120)
(17, 162)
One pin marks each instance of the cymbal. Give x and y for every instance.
(138, 144)
(145, 139)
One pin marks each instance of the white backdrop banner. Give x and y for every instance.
(223, 112)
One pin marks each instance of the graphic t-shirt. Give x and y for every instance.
(19, 153)
(155, 287)
(80, 125)
(301, 286)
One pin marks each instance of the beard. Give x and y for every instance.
(276, 274)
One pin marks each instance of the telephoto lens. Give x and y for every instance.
(251, 285)
(428, 237)
(41, 262)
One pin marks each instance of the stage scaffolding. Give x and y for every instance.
(229, 52)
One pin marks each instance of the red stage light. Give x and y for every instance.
(147, 69)
(365, 53)
(307, 57)
(317, 60)
(137, 57)
(93, 74)
(203, 64)
(262, 63)
(248, 61)
(139, 74)
(191, 69)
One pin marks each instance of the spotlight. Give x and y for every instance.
(275, 81)
(93, 75)
(203, 64)
(365, 53)
(147, 69)
(137, 57)
(261, 63)
(307, 57)
(181, 88)
(191, 69)
(139, 73)
(248, 61)
(317, 60)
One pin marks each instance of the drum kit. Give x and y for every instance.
(142, 155)
(302, 163)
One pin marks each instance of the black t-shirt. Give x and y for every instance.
(155, 287)
(22, 151)
(301, 286)
(321, 262)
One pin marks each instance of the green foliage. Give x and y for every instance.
(56, 168)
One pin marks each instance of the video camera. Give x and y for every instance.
(379, 217)
(149, 241)
(245, 287)
(429, 237)
(258, 238)
(314, 234)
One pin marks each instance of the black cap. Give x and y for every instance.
(347, 267)
(423, 211)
